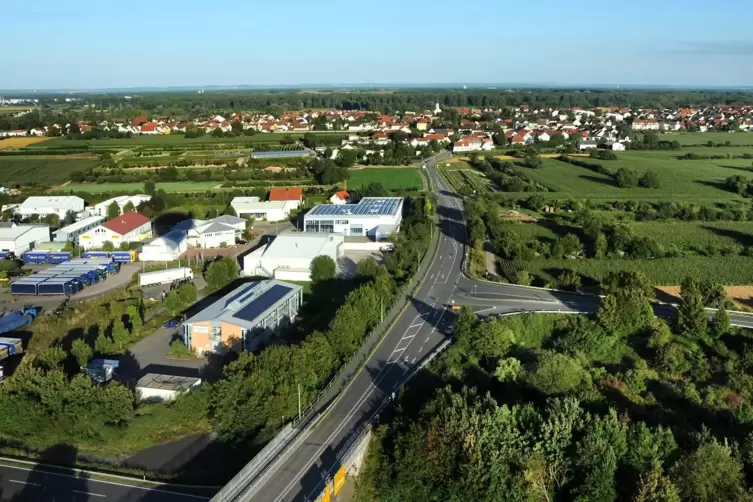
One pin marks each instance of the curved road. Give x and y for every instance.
(301, 475)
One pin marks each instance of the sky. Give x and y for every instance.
(96, 44)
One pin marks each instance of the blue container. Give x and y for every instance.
(35, 256)
(58, 257)
(24, 288)
(56, 287)
(121, 256)
(96, 254)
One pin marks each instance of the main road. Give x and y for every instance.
(421, 328)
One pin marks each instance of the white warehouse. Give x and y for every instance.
(166, 247)
(289, 255)
(22, 238)
(122, 200)
(43, 206)
(269, 210)
(376, 217)
(74, 230)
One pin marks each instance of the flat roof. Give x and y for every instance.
(167, 382)
(303, 245)
(368, 206)
(91, 220)
(57, 202)
(247, 304)
(261, 206)
(13, 233)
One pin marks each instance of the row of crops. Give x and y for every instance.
(464, 179)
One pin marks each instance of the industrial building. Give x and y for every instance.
(122, 201)
(207, 234)
(269, 211)
(244, 319)
(375, 217)
(289, 255)
(166, 247)
(129, 227)
(22, 238)
(43, 205)
(73, 231)
(294, 195)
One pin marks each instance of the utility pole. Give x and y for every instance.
(381, 300)
(299, 401)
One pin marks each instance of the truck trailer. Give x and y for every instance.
(165, 276)
(35, 256)
(10, 347)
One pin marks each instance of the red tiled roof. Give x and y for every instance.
(126, 222)
(342, 195)
(282, 194)
(148, 127)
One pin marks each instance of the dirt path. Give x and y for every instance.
(741, 295)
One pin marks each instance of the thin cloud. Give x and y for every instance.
(719, 48)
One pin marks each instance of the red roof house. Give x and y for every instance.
(126, 223)
(284, 194)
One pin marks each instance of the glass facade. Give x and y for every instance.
(356, 230)
(327, 226)
(312, 226)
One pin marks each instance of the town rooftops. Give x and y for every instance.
(367, 207)
(126, 222)
(281, 194)
(247, 303)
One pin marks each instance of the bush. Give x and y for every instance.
(178, 350)
(555, 373)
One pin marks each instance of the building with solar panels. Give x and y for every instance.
(375, 217)
(244, 319)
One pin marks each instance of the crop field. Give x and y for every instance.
(699, 138)
(665, 271)
(469, 178)
(697, 180)
(43, 170)
(391, 178)
(177, 186)
(21, 142)
(683, 234)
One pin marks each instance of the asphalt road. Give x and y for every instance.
(301, 475)
(19, 484)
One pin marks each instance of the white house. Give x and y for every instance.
(616, 146)
(339, 198)
(289, 255)
(587, 144)
(166, 247)
(376, 217)
(43, 205)
(129, 227)
(269, 211)
(214, 233)
(22, 238)
(122, 200)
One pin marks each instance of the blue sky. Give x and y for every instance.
(99, 44)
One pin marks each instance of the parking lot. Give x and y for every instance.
(346, 266)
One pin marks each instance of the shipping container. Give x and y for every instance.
(35, 256)
(123, 256)
(96, 254)
(10, 347)
(57, 287)
(58, 256)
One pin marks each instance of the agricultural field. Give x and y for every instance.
(699, 138)
(41, 169)
(692, 181)
(461, 179)
(21, 142)
(685, 235)
(177, 186)
(729, 270)
(392, 178)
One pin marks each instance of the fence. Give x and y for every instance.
(243, 483)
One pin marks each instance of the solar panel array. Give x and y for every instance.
(368, 206)
(247, 290)
(263, 302)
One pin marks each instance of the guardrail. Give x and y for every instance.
(242, 483)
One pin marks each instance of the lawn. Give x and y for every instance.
(392, 178)
(41, 169)
(696, 181)
(176, 186)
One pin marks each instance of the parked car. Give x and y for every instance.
(172, 323)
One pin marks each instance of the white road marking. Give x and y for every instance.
(421, 349)
(133, 487)
(23, 482)
(89, 493)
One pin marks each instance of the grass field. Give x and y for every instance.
(391, 178)
(684, 235)
(21, 142)
(699, 138)
(665, 271)
(696, 181)
(470, 178)
(177, 186)
(43, 170)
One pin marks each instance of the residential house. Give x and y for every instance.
(294, 195)
(339, 198)
(587, 144)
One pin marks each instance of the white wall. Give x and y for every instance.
(292, 274)
(22, 243)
